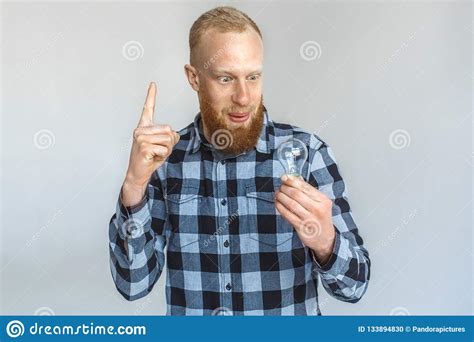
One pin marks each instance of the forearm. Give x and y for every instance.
(135, 272)
(132, 193)
(345, 275)
(137, 257)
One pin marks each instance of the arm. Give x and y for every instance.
(136, 230)
(346, 272)
(136, 243)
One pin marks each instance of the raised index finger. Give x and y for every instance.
(149, 107)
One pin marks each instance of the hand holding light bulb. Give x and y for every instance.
(306, 208)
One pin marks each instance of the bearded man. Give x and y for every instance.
(239, 236)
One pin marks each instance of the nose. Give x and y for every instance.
(241, 94)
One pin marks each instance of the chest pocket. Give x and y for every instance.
(266, 225)
(183, 210)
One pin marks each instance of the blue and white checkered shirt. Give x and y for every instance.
(229, 251)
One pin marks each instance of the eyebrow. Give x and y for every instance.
(224, 71)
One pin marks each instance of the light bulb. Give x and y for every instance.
(292, 154)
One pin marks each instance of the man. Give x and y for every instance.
(241, 237)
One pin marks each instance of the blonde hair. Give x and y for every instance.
(224, 19)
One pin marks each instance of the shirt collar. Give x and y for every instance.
(265, 143)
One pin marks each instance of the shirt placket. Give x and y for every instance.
(222, 236)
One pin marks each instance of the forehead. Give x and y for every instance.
(231, 51)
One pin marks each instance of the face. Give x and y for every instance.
(228, 78)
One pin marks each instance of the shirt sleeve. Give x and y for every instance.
(136, 243)
(346, 274)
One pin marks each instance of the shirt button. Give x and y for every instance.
(228, 287)
(226, 243)
(224, 202)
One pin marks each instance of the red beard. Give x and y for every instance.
(225, 138)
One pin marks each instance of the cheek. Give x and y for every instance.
(256, 90)
(255, 99)
(215, 98)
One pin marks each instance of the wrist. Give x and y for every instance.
(132, 193)
(324, 251)
(132, 184)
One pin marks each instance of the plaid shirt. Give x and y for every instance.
(229, 251)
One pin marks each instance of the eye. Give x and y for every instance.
(225, 79)
(254, 77)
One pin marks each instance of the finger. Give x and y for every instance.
(300, 184)
(152, 130)
(288, 215)
(164, 140)
(156, 152)
(294, 181)
(146, 118)
(292, 205)
(177, 137)
(157, 129)
(304, 199)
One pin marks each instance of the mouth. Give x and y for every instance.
(239, 117)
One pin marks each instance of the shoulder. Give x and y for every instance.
(284, 131)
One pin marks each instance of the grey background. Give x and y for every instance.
(390, 91)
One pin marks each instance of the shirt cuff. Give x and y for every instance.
(128, 211)
(133, 219)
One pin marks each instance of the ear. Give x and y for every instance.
(192, 75)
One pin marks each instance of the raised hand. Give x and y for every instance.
(152, 145)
